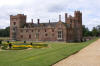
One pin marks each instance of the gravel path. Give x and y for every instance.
(89, 56)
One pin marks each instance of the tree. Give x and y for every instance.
(5, 32)
(95, 31)
(86, 31)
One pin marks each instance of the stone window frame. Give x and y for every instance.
(37, 35)
(53, 30)
(45, 30)
(14, 23)
(30, 36)
(60, 35)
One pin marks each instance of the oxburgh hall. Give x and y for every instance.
(68, 31)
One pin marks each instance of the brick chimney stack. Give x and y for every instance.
(65, 17)
(49, 21)
(38, 20)
(59, 18)
(32, 20)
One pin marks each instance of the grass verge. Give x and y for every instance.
(41, 57)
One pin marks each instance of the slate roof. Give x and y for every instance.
(52, 24)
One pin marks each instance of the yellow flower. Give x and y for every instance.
(22, 46)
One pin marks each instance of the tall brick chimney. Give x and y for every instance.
(32, 20)
(38, 20)
(49, 21)
(59, 18)
(65, 17)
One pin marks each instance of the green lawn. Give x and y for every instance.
(41, 57)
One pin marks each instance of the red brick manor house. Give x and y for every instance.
(68, 31)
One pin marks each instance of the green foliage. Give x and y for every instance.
(24, 41)
(7, 41)
(86, 31)
(5, 32)
(4, 46)
(41, 57)
(0, 42)
(95, 31)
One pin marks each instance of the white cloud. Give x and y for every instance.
(50, 9)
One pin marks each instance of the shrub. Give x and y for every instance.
(0, 41)
(24, 41)
(8, 41)
(4, 46)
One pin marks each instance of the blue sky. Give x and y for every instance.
(50, 9)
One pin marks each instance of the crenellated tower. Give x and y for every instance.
(74, 26)
(17, 21)
(78, 24)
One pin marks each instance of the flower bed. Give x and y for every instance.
(31, 46)
(20, 45)
(28, 46)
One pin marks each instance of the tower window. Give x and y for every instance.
(46, 34)
(14, 23)
(45, 30)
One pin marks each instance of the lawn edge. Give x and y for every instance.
(73, 53)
